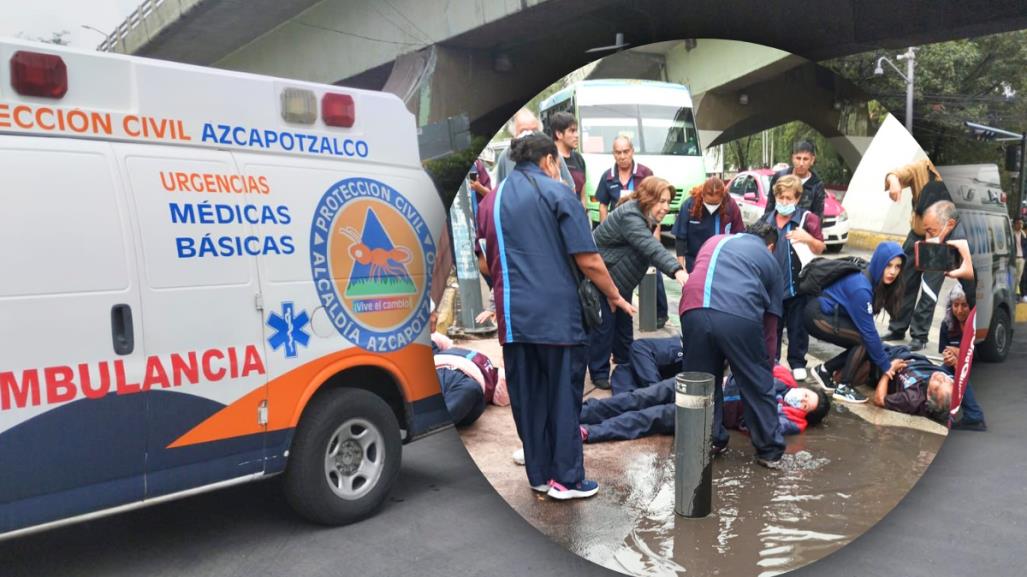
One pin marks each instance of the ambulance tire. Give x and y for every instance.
(345, 456)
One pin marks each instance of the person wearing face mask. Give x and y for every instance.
(628, 247)
(650, 410)
(804, 156)
(534, 232)
(798, 239)
(843, 315)
(709, 211)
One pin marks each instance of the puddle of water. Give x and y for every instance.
(837, 481)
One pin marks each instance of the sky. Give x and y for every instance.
(42, 18)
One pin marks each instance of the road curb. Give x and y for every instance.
(1021, 313)
(868, 239)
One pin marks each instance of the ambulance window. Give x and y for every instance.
(60, 216)
(193, 231)
(999, 228)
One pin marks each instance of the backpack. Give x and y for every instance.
(822, 272)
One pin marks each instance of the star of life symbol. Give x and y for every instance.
(289, 329)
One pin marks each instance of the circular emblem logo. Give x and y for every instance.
(371, 256)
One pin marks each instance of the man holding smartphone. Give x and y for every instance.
(923, 180)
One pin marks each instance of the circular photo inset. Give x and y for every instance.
(722, 316)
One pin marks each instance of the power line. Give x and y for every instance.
(395, 24)
(409, 21)
(361, 36)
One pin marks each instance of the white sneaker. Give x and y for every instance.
(518, 457)
(1023, 299)
(544, 488)
(800, 375)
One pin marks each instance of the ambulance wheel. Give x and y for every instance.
(1000, 337)
(344, 458)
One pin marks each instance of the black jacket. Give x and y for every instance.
(813, 194)
(628, 247)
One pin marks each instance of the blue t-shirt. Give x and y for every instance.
(530, 235)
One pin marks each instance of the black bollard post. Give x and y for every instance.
(693, 429)
(647, 301)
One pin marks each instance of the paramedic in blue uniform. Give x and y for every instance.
(730, 308)
(622, 178)
(709, 211)
(533, 230)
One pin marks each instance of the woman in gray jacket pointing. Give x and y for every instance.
(628, 247)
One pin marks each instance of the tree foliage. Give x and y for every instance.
(978, 79)
(747, 152)
(448, 172)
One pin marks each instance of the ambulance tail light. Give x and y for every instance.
(299, 106)
(37, 74)
(338, 110)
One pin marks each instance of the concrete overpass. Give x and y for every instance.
(486, 57)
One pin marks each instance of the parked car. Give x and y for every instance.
(751, 189)
(978, 195)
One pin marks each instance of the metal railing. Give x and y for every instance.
(131, 22)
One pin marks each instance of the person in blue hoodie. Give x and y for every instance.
(843, 315)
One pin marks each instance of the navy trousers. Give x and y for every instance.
(661, 297)
(650, 361)
(645, 411)
(464, 398)
(614, 335)
(711, 337)
(546, 383)
(798, 336)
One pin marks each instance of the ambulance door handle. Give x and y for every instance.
(121, 329)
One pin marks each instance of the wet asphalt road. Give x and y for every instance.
(966, 517)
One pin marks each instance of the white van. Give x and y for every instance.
(209, 278)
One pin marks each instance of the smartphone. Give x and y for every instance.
(929, 256)
(473, 175)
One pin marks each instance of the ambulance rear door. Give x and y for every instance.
(200, 293)
(72, 421)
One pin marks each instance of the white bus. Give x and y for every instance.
(657, 116)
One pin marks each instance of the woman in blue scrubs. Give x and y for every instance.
(534, 233)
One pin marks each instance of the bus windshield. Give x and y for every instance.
(654, 129)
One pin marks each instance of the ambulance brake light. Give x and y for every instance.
(37, 74)
(338, 110)
(299, 106)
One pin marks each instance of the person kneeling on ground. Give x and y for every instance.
(650, 410)
(468, 379)
(649, 361)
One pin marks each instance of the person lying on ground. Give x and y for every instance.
(650, 410)
(468, 379)
(914, 386)
(649, 361)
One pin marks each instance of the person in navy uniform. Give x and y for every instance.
(730, 308)
(709, 211)
(798, 240)
(622, 178)
(649, 361)
(533, 233)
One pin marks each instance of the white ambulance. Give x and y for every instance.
(209, 278)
